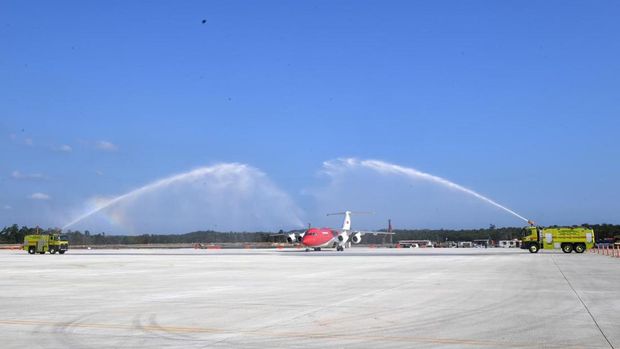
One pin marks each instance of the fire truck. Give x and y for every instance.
(567, 239)
(41, 243)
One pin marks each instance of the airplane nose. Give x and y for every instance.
(308, 239)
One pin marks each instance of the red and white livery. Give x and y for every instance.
(317, 238)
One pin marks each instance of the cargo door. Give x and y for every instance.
(548, 241)
(40, 245)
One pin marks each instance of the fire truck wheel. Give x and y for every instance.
(567, 248)
(580, 248)
(52, 251)
(61, 252)
(533, 248)
(31, 250)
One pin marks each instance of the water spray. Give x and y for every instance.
(233, 176)
(385, 167)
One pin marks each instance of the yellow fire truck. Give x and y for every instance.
(566, 239)
(41, 243)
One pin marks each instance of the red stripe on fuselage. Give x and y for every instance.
(318, 237)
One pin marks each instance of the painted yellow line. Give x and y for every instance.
(298, 335)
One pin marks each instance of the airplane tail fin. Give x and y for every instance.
(346, 224)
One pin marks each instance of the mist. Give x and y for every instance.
(411, 198)
(223, 197)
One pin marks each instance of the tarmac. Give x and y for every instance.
(288, 298)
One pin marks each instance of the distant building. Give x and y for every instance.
(448, 244)
(415, 243)
(482, 243)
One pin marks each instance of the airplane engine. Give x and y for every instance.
(342, 238)
(300, 237)
(356, 238)
(291, 238)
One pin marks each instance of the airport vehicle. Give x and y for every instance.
(447, 244)
(567, 239)
(609, 242)
(508, 243)
(605, 242)
(41, 243)
(317, 238)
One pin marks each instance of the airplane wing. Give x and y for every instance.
(289, 232)
(364, 232)
(292, 236)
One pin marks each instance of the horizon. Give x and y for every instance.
(405, 229)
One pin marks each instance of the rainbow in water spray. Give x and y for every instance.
(234, 179)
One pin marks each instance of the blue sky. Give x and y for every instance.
(516, 100)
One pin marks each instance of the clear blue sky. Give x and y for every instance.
(517, 100)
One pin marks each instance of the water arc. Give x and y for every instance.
(234, 186)
(389, 168)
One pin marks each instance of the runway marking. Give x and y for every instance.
(582, 303)
(300, 335)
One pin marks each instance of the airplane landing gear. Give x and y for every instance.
(339, 248)
(317, 248)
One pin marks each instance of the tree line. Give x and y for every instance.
(15, 235)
